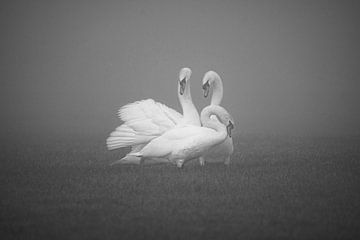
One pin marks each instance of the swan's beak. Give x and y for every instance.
(182, 86)
(206, 88)
(229, 127)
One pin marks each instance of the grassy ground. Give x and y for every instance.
(275, 188)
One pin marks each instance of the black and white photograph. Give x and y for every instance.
(167, 119)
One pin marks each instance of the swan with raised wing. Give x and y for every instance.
(147, 119)
(187, 142)
(223, 151)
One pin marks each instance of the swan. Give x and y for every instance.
(223, 151)
(147, 119)
(186, 142)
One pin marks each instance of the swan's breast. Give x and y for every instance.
(187, 152)
(194, 146)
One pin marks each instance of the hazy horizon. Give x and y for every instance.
(289, 67)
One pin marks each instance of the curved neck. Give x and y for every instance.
(217, 93)
(213, 123)
(190, 113)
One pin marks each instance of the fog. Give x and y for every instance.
(288, 67)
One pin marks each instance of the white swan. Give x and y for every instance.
(186, 142)
(146, 119)
(223, 151)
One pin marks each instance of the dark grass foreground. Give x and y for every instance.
(276, 188)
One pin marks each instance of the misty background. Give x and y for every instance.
(288, 67)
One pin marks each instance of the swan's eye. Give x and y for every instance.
(206, 88)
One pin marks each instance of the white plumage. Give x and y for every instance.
(143, 121)
(186, 142)
(147, 119)
(223, 151)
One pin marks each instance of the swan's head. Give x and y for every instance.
(227, 120)
(221, 114)
(184, 76)
(208, 79)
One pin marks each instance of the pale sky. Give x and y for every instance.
(288, 67)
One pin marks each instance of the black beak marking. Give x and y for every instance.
(182, 86)
(229, 127)
(206, 88)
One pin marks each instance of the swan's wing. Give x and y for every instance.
(172, 114)
(147, 113)
(143, 121)
(124, 136)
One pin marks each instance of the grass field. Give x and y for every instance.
(275, 188)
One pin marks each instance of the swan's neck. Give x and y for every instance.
(213, 123)
(217, 93)
(190, 113)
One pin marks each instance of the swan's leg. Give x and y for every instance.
(179, 163)
(227, 161)
(202, 161)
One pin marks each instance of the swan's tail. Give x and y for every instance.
(128, 159)
(132, 157)
(135, 154)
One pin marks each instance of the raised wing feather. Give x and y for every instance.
(159, 114)
(124, 136)
(173, 115)
(143, 121)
